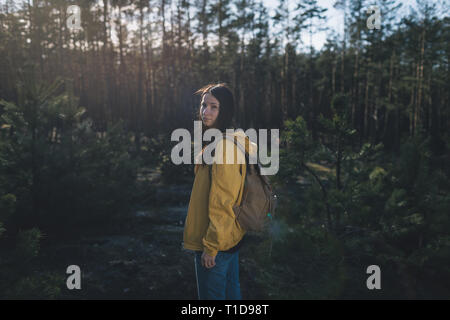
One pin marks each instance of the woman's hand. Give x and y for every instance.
(208, 261)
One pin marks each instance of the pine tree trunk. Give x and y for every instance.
(418, 109)
(355, 91)
(366, 105)
(389, 99)
(333, 79)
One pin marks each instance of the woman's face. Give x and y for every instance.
(209, 110)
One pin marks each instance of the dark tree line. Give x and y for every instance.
(142, 60)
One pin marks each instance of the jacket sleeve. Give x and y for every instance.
(224, 192)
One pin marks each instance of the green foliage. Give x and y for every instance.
(60, 175)
(27, 246)
(393, 212)
(306, 263)
(7, 206)
(299, 146)
(170, 172)
(62, 172)
(36, 286)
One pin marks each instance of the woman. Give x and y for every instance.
(211, 229)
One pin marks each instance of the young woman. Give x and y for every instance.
(211, 229)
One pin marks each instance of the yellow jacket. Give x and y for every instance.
(210, 224)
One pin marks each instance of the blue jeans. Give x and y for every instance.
(220, 282)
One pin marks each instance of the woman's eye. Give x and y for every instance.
(204, 106)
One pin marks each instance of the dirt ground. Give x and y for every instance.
(141, 258)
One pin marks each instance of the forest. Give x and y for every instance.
(90, 95)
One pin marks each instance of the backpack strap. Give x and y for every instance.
(251, 166)
(247, 162)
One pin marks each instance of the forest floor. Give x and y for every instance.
(142, 257)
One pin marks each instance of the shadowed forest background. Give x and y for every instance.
(85, 124)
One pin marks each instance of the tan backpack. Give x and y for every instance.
(258, 200)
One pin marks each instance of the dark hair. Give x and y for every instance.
(223, 94)
(224, 119)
